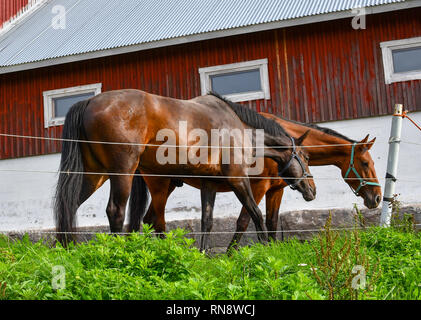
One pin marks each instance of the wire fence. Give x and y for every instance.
(180, 146)
(54, 233)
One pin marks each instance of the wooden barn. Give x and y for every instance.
(341, 63)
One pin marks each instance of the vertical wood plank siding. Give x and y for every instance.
(319, 72)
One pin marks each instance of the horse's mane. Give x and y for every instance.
(322, 129)
(270, 126)
(254, 119)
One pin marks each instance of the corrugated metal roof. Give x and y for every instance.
(95, 25)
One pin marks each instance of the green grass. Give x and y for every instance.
(147, 268)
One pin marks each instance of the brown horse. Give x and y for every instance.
(124, 132)
(333, 149)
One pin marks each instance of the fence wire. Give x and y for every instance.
(173, 176)
(171, 146)
(17, 171)
(193, 233)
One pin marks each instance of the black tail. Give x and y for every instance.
(69, 185)
(139, 198)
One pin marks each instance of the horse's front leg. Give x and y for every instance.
(243, 191)
(273, 202)
(259, 188)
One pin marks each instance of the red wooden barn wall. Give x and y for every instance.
(320, 72)
(9, 8)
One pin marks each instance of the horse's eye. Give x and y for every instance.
(365, 164)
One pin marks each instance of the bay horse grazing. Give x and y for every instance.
(332, 148)
(123, 132)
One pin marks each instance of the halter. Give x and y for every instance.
(352, 168)
(294, 155)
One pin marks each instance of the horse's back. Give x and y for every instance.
(132, 115)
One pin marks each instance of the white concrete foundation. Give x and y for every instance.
(26, 198)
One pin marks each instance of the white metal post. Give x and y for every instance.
(392, 166)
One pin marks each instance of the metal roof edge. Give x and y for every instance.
(19, 19)
(208, 36)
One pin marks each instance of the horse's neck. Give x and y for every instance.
(325, 149)
(332, 150)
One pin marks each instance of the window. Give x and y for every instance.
(242, 81)
(402, 59)
(58, 102)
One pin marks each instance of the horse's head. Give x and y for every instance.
(296, 172)
(360, 174)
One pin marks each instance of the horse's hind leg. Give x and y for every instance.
(160, 189)
(91, 183)
(116, 208)
(208, 194)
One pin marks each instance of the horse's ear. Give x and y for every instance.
(365, 145)
(365, 139)
(370, 144)
(301, 139)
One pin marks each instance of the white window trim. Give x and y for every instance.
(262, 64)
(49, 121)
(387, 48)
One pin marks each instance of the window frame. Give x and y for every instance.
(49, 120)
(261, 64)
(387, 48)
